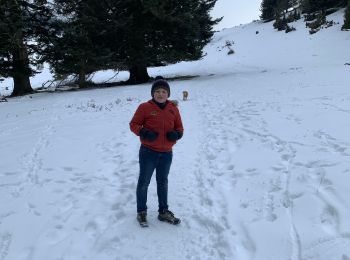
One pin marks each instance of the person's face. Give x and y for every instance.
(160, 95)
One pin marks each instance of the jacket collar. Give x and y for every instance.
(160, 105)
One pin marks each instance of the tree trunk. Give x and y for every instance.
(21, 85)
(21, 72)
(138, 74)
(82, 79)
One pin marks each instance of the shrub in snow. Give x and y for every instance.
(230, 52)
(312, 31)
(317, 23)
(329, 23)
(92, 106)
(229, 43)
(289, 29)
(293, 16)
(280, 24)
(310, 17)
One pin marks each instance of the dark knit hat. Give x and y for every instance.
(160, 83)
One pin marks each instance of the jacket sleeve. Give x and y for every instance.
(178, 122)
(137, 121)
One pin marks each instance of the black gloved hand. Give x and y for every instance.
(148, 134)
(173, 135)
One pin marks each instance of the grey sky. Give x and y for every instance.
(236, 12)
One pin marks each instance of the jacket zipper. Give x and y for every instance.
(163, 129)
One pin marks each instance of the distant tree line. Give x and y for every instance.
(275, 9)
(79, 37)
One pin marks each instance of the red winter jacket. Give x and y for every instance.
(152, 117)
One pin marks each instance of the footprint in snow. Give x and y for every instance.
(67, 168)
(330, 220)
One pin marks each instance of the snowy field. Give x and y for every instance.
(262, 172)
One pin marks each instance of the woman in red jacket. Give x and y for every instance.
(158, 123)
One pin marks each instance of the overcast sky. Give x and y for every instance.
(236, 12)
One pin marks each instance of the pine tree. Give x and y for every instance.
(346, 24)
(153, 32)
(282, 6)
(310, 6)
(268, 10)
(77, 49)
(129, 35)
(24, 25)
(293, 3)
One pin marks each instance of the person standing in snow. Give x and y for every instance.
(159, 126)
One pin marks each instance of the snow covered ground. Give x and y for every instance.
(262, 171)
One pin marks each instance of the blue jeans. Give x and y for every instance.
(150, 160)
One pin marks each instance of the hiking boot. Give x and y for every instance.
(168, 216)
(142, 218)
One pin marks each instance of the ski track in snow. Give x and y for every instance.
(89, 211)
(221, 143)
(5, 242)
(32, 162)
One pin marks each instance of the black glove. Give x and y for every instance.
(148, 134)
(173, 135)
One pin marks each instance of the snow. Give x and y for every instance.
(262, 171)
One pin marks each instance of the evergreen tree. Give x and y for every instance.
(24, 26)
(280, 24)
(268, 10)
(282, 6)
(310, 6)
(347, 17)
(152, 32)
(77, 48)
(129, 35)
(293, 3)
